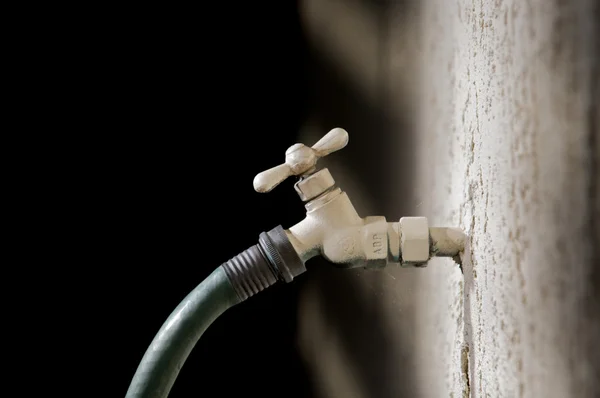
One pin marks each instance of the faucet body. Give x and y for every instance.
(332, 228)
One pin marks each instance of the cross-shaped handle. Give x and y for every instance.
(300, 159)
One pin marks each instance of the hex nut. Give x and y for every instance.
(314, 185)
(414, 240)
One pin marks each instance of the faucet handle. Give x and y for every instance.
(333, 141)
(301, 160)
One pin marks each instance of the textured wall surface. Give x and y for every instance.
(507, 149)
(489, 112)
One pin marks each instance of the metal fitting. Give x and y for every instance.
(414, 240)
(314, 185)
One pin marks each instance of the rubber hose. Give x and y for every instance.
(177, 337)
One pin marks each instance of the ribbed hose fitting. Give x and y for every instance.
(260, 266)
(249, 272)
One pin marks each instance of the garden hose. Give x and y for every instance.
(272, 259)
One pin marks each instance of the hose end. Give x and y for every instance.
(260, 266)
(249, 272)
(281, 254)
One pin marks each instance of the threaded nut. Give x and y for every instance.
(414, 240)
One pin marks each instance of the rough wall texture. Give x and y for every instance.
(504, 95)
(507, 152)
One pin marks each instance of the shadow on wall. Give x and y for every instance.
(351, 315)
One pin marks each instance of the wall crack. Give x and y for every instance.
(464, 362)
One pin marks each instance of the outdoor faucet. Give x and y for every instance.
(332, 227)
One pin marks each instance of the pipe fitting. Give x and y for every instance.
(414, 240)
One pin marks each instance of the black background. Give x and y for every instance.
(155, 120)
(192, 104)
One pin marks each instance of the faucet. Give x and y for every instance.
(332, 228)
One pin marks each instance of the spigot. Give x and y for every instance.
(333, 229)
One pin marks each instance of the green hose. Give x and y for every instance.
(243, 276)
(178, 335)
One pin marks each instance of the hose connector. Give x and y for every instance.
(260, 266)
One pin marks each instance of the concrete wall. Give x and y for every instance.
(506, 152)
(498, 99)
